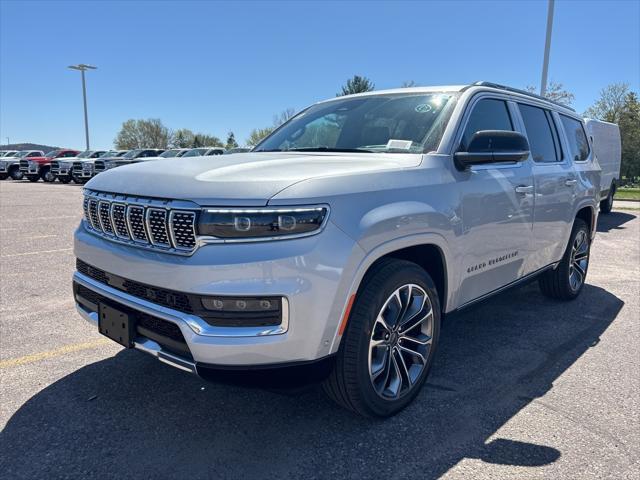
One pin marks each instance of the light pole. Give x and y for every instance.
(547, 47)
(82, 67)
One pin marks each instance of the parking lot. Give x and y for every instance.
(522, 386)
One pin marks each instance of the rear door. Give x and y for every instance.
(555, 185)
(496, 207)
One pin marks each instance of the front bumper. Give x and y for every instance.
(312, 274)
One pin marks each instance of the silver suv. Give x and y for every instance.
(332, 250)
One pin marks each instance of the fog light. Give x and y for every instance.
(242, 311)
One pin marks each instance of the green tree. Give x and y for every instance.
(231, 141)
(357, 84)
(555, 92)
(150, 133)
(610, 104)
(629, 123)
(283, 116)
(257, 135)
(183, 138)
(408, 84)
(206, 140)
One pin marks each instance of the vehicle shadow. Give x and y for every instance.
(131, 416)
(613, 220)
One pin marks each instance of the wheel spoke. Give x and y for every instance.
(419, 341)
(405, 370)
(414, 322)
(414, 353)
(384, 366)
(395, 384)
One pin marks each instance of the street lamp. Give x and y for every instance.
(82, 67)
(547, 47)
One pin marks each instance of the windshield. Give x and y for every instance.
(169, 154)
(110, 153)
(132, 153)
(196, 152)
(85, 154)
(402, 123)
(52, 153)
(24, 153)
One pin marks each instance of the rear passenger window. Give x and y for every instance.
(487, 114)
(542, 134)
(578, 143)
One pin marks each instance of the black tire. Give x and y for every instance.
(351, 384)
(79, 180)
(33, 178)
(64, 179)
(557, 283)
(4, 176)
(16, 174)
(47, 176)
(606, 205)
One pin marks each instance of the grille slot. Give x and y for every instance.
(55, 166)
(119, 220)
(157, 226)
(99, 165)
(93, 214)
(135, 220)
(182, 226)
(24, 165)
(104, 210)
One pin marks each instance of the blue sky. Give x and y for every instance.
(220, 66)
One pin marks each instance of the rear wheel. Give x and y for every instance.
(4, 176)
(389, 342)
(79, 180)
(64, 179)
(15, 173)
(33, 178)
(566, 281)
(606, 205)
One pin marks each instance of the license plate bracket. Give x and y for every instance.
(116, 324)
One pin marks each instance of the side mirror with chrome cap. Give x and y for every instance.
(493, 146)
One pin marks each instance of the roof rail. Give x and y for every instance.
(517, 90)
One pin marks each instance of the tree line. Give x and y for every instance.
(616, 103)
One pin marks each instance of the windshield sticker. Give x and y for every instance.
(399, 144)
(423, 108)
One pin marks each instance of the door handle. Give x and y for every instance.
(570, 182)
(524, 189)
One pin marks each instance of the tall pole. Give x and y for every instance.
(86, 117)
(547, 47)
(82, 67)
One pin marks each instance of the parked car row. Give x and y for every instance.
(67, 165)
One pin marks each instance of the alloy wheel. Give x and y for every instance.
(400, 342)
(579, 260)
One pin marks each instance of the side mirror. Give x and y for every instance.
(493, 146)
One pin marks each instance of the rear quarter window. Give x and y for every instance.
(578, 143)
(541, 133)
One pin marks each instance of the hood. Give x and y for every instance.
(243, 179)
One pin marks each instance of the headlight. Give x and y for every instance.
(262, 223)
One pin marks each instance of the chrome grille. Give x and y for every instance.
(24, 165)
(55, 166)
(77, 167)
(99, 165)
(119, 220)
(157, 226)
(168, 226)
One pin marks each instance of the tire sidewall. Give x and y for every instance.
(367, 313)
(578, 226)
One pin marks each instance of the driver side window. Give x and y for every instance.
(487, 114)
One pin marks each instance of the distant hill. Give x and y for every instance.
(28, 146)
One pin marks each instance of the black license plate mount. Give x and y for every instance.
(116, 324)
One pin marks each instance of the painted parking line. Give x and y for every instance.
(36, 357)
(36, 253)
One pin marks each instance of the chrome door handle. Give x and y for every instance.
(571, 182)
(524, 189)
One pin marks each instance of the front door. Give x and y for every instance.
(497, 210)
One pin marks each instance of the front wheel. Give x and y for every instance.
(64, 179)
(606, 205)
(4, 176)
(79, 180)
(16, 174)
(566, 281)
(33, 178)
(48, 177)
(389, 342)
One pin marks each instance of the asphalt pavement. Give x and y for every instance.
(522, 386)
